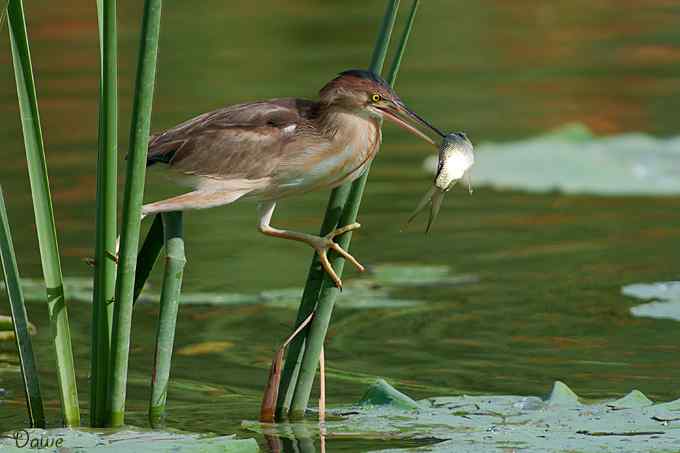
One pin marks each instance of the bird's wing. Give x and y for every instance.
(239, 141)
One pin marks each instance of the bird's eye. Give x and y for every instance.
(376, 98)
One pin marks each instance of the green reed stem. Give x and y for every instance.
(403, 41)
(165, 334)
(148, 254)
(329, 292)
(291, 368)
(44, 217)
(105, 234)
(132, 209)
(29, 370)
(293, 400)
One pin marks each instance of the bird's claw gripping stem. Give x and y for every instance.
(328, 243)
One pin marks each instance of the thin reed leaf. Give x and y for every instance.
(105, 230)
(44, 217)
(148, 254)
(132, 208)
(403, 41)
(167, 319)
(292, 373)
(29, 369)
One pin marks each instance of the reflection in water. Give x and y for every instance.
(545, 303)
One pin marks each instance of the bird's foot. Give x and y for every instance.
(326, 243)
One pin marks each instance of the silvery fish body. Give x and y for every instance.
(456, 156)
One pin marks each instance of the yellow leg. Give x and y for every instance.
(322, 244)
(271, 391)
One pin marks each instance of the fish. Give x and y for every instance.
(456, 157)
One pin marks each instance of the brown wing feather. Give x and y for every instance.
(239, 141)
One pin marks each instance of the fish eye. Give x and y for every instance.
(376, 97)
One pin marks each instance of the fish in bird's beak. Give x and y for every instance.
(397, 112)
(456, 156)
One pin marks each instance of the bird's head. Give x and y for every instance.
(364, 91)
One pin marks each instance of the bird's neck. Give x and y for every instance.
(337, 122)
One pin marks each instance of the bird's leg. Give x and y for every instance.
(198, 199)
(114, 257)
(320, 243)
(271, 391)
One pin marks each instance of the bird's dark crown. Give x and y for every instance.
(365, 74)
(354, 87)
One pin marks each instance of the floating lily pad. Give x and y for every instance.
(659, 310)
(666, 296)
(127, 440)
(211, 298)
(634, 399)
(659, 290)
(375, 291)
(355, 294)
(562, 395)
(560, 423)
(405, 275)
(75, 288)
(383, 394)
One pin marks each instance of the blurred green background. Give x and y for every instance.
(547, 304)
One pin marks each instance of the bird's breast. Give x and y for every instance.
(330, 163)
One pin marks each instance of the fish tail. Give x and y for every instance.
(437, 198)
(423, 203)
(421, 206)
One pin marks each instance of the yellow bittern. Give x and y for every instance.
(270, 150)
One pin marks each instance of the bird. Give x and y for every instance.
(279, 148)
(274, 149)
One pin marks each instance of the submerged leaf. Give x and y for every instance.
(417, 275)
(362, 293)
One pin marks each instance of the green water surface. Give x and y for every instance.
(546, 305)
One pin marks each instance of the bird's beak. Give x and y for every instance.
(402, 116)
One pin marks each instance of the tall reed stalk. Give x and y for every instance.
(329, 292)
(105, 235)
(29, 370)
(302, 360)
(44, 217)
(167, 320)
(132, 208)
